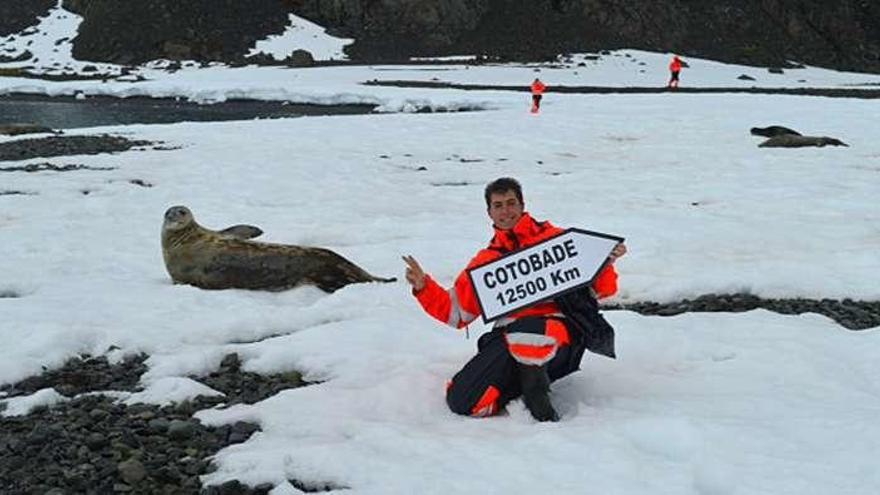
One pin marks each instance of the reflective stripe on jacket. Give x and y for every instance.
(458, 306)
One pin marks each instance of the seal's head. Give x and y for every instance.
(177, 217)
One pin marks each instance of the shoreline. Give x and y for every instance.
(826, 92)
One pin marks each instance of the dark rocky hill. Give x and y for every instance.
(844, 34)
(17, 15)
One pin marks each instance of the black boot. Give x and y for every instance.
(535, 385)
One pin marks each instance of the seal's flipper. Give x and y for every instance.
(242, 232)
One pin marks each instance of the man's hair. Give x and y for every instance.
(501, 186)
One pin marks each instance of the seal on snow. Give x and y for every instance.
(228, 259)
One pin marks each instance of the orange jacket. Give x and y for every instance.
(675, 65)
(538, 88)
(458, 306)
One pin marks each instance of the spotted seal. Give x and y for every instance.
(798, 141)
(228, 259)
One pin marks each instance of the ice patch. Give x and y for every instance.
(20, 406)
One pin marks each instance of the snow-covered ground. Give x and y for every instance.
(710, 404)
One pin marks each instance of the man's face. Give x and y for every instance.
(505, 209)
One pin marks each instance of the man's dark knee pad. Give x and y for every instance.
(458, 401)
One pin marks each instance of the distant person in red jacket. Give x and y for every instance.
(529, 348)
(537, 93)
(674, 70)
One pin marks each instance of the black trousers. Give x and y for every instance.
(493, 366)
(536, 100)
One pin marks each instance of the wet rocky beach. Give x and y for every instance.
(67, 112)
(54, 146)
(95, 444)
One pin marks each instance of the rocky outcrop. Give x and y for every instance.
(774, 33)
(843, 35)
(139, 31)
(17, 15)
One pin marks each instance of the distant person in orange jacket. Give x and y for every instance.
(537, 93)
(674, 70)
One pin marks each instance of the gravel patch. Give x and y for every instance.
(84, 374)
(50, 167)
(26, 149)
(853, 315)
(93, 445)
(243, 387)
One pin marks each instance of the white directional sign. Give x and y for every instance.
(564, 262)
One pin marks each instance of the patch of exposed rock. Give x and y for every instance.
(19, 129)
(84, 374)
(136, 32)
(93, 445)
(25, 149)
(18, 15)
(853, 315)
(246, 387)
(842, 35)
(51, 167)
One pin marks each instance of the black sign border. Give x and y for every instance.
(566, 291)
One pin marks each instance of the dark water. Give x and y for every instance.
(66, 112)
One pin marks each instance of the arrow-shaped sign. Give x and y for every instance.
(542, 271)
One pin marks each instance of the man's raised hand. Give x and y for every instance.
(414, 273)
(618, 251)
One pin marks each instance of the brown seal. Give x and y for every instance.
(227, 259)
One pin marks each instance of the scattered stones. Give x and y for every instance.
(853, 315)
(21, 57)
(42, 167)
(70, 448)
(25, 149)
(234, 487)
(84, 374)
(140, 182)
(316, 487)
(8, 294)
(92, 444)
(245, 387)
(452, 184)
